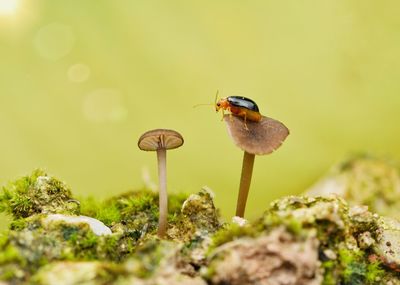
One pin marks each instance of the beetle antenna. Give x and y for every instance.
(215, 101)
(197, 105)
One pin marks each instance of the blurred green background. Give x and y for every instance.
(80, 81)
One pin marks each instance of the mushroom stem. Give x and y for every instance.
(163, 199)
(245, 180)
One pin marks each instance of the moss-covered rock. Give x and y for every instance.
(79, 272)
(41, 242)
(198, 217)
(350, 245)
(54, 239)
(364, 180)
(387, 246)
(43, 234)
(36, 194)
(278, 257)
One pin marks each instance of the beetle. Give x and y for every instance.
(239, 106)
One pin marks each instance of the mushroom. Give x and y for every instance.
(161, 140)
(254, 138)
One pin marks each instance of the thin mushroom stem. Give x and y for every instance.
(245, 180)
(163, 199)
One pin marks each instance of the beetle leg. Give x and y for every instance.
(230, 114)
(222, 114)
(245, 121)
(243, 114)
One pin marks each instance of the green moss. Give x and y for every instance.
(4, 238)
(83, 244)
(18, 224)
(328, 216)
(374, 272)
(337, 230)
(14, 198)
(134, 214)
(352, 268)
(133, 248)
(175, 202)
(108, 215)
(10, 254)
(329, 275)
(11, 259)
(231, 232)
(136, 203)
(8, 274)
(134, 209)
(196, 216)
(69, 232)
(34, 194)
(107, 212)
(294, 226)
(148, 256)
(40, 242)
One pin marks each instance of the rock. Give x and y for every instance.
(239, 221)
(199, 209)
(36, 194)
(338, 228)
(388, 242)
(363, 180)
(161, 263)
(96, 226)
(68, 273)
(76, 273)
(279, 258)
(198, 217)
(298, 240)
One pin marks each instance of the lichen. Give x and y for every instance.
(347, 237)
(80, 272)
(198, 216)
(53, 239)
(274, 258)
(39, 235)
(40, 242)
(363, 180)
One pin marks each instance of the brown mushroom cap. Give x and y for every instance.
(160, 138)
(261, 137)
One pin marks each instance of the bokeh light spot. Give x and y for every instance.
(104, 105)
(54, 41)
(8, 7)
(78, 72)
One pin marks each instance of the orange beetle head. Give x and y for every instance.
(221, 104)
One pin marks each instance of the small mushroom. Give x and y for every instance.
(161, 140)
(254, 138)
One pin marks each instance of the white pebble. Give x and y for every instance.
(96, 226)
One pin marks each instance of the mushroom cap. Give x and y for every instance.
(160, 138)
(261, 138)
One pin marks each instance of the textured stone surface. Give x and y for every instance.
(278, 258)
(363, 180)
(54, 239)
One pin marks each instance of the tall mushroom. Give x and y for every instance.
(254, 138)
(161, 140)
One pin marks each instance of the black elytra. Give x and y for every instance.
(243, 102)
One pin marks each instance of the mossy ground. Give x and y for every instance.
(346, 241)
